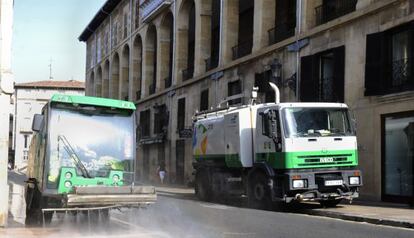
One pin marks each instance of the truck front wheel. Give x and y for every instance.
(259, 192)
(330, 203)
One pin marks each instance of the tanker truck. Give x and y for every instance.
(81, 159)
(276, 153)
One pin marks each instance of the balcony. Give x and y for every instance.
(188, 73)
(211, 63)
(186, 132)
(168, 81)
(281, 32)
(150, 8)
(242, 49)
(333, 9)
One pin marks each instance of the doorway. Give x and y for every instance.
(179, 162)
(398, 157)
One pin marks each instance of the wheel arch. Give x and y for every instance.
(262, 167)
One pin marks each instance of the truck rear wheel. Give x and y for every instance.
(202, 188)
(259, 192)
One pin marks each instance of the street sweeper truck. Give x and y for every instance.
(81, 159)
(276, 152)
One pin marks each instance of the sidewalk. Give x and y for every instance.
(379, 213)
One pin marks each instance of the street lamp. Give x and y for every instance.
(276, 68)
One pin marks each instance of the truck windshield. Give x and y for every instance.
(304, 122)
(93, 141)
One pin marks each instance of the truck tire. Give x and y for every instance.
(202, 187)
(258, 193)
(330, 203)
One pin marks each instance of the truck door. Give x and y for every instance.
(232, 140)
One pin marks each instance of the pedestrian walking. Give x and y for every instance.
(161, 172)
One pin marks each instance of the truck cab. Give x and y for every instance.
(313, 149)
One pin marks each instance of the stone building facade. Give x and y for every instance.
(174, 58)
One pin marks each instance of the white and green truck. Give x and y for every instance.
(277, 152)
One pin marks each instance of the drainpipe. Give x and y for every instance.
(299, 29)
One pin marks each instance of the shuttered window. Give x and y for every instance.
(322, 76)
(389, 61)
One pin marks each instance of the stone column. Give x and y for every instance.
(308, 18)
(202, 35)
(229, 32)
(264, 20)
(181, 55)
(363, 3)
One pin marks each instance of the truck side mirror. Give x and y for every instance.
(37, 122)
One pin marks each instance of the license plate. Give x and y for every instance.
(333, 182)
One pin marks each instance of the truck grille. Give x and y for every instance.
(319, 160)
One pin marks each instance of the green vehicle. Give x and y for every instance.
(81, 158)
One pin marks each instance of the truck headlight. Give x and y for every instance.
(115, 178)
(68, 175)
(68, 184)
(299, 183)
(354, 180)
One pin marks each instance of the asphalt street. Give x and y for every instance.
(175, 217)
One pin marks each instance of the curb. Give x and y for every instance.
(358, 218)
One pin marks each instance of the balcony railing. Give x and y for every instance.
(281, 32)
(188, 73)
(401, 75)
(334, 9)
(211, 63)
(242, 49)
(150, 8)
(168, 81)
(152, 88)
(186, 132)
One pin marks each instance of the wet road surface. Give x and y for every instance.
(175, 217)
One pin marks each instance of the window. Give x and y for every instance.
(189, 72)
(212, 62)
(160, 119)
(125, 25)
(98, 48)
(114, 34)
(106, 42)
(26, 138)
(144, 121)
(234, 88)
(285, 21)
(389, 64)
(245, 32)
(136, 14)
(181, 114)
(204, 100)
(331, 9)
(322, 76)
